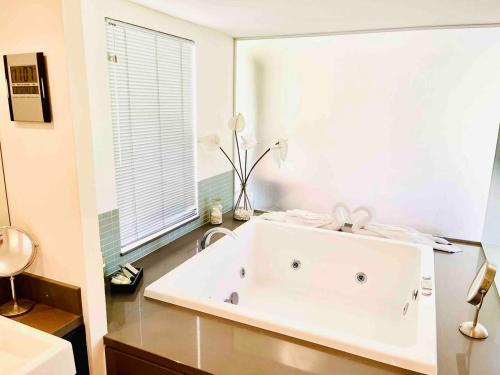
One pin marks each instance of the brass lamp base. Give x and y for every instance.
(12, 309)
(477, 331)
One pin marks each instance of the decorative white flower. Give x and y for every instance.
(237, 123)
(282, 146)
(248, 142)
(211, 141)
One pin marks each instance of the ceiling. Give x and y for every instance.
(256, 18)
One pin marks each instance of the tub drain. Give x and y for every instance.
(295, 264)
(361, 277)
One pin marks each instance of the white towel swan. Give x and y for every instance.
(360, 218)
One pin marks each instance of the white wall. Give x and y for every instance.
(404, 122)
(214, 85)
(48, 179)
(491, 233)
(36, 175)
(4, 208)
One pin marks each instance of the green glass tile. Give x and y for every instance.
(109, 226)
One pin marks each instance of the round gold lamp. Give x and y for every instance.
(477, 290)
(17, 252)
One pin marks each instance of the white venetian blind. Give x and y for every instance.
(151, 81)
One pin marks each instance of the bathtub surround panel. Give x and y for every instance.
(220, 186)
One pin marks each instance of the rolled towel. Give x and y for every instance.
(302, 217)
(408, 234)
(362, 217)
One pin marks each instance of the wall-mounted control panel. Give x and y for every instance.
(28, 95)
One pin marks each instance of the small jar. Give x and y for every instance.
(216, 211)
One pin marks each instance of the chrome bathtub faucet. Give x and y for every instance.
(207, 237)
(347, 227)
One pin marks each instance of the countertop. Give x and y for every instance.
(58, 306)
(50, 319)
(221, 346)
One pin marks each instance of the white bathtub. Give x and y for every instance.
(321, 300)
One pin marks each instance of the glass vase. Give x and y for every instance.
(243, 210)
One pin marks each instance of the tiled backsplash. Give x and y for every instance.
(109, 228)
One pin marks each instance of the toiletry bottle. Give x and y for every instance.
(216, 211)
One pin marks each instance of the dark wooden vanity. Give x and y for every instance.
(131, 361)
(58, 311)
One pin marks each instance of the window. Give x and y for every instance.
(152, 100)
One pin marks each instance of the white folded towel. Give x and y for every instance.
(302, 217)
(360, 218)
(408, 234)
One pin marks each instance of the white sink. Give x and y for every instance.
(26, 350)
